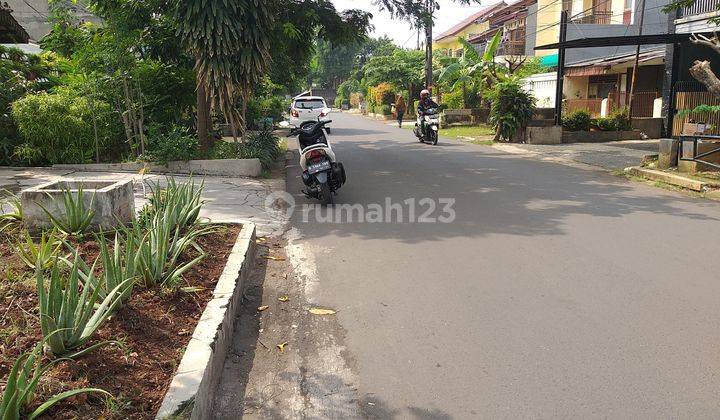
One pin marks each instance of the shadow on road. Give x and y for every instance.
(494, 193)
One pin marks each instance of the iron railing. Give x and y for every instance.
(512, 48)
(699, 7)
(595, 17)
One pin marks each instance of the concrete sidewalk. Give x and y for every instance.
(228, 199)
(610, 156)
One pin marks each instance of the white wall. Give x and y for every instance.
(542, 87)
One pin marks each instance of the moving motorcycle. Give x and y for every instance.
(428, 125)
(322, 174)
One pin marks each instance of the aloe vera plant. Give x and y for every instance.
(76, 218)
(159, 250)
(119, 265)
(12, 217)
(42, 255)
(179, 204)
(69, 316)
(20, 387)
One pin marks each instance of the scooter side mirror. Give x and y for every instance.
(284, 124)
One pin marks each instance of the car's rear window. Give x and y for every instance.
(309, 103)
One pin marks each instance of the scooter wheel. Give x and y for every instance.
(326, 197)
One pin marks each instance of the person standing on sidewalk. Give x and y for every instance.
(400, 108)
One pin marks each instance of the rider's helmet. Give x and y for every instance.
(424, 93)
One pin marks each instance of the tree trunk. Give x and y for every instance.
(203, 113)
(702, 72)
(464, 93)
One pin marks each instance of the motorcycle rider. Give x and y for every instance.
(425, 102)
(423, 105)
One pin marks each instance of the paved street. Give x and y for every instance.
(555, 293)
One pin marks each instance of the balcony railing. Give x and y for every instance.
(512, 48)
(700, 7)
(597, 17)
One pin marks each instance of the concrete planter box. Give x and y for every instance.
(209, 167)
(113, 202)
(191, 391)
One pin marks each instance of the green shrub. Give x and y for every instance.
(166, 145)
(577, 121)
(263, 145)
(168, 88)
(260, 108)
(604, 124)
(58, 127)
(20, 74)
(355, 99)
(622, 119)
(453, 99)
(512, 108)
(385, 110)
(382, 94)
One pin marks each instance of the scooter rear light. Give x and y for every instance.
(315, 154)
(294, 113)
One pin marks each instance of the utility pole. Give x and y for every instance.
(429, 8)
(637, 61)
(560, 67)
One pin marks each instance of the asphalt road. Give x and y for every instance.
(556, 292)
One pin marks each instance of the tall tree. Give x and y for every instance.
(421, 14)
(229, 40)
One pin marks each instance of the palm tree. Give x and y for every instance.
(229, 40)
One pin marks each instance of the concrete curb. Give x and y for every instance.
(672, 179)
(209, 167)
(201, 366)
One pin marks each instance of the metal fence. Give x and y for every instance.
(699, 7)
(687, 95)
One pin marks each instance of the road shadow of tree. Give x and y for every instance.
(494, 193)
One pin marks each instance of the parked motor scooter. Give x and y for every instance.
(322, 174)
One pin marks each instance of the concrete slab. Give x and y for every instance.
(229, 199)
(669, 178)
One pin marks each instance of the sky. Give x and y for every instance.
(400, 31)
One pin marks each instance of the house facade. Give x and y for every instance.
(33, 15)
(476, 23)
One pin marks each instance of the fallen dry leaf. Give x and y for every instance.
(274, 258)
(283, 298)
(281, 347)
(321, 311)
(262, 308)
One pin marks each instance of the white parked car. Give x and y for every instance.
(309, 108)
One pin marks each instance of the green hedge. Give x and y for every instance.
(58, 127)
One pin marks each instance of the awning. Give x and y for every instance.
(549, 60)
(616, 41)
(612, 60)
